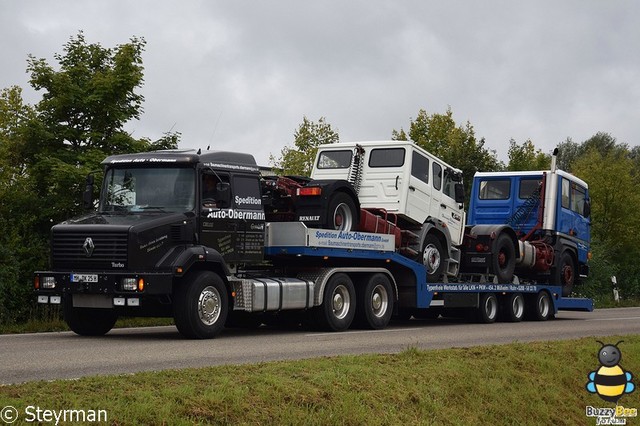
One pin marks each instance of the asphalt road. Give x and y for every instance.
(48, 356)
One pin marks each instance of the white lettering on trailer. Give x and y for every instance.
(481, 287)
(352, 240)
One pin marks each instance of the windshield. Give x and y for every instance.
(131, 189)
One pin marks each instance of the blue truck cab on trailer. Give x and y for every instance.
(548, 212)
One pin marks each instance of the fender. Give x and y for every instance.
(491, 232)
(187, 258)
(312, 208)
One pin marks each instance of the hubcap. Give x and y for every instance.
(379, 301)
(342, 219)
(431, 258)
(341, 302)
(567, 274)
(209, 306)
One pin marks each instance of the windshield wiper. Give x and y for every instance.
(159, 208)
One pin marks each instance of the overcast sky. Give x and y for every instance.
(240, 75)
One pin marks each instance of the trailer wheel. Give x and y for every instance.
(341, 214)
(200, 305)
(433, 256)
(565, 273)
(540, 307)
(88, 321)
(504, 259)
(374, 305)
(338, 304)
(488, 309)
(514, 307)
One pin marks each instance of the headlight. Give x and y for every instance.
(48, 282)
(129, 284)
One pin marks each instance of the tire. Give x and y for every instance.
(565, 273)
(341, 214)
(200, 305)
(503, 261)
(514, 307)
(338, 304)
(374, 303)
(88, 321)
(540, 307)
(488, 309)
(433, 257)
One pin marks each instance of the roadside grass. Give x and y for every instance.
(58, 324)
(521, 383)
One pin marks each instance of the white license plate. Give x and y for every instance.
(84, 278)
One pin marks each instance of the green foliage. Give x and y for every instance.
(527, 157)
(456, 145)
(46, 150)
(299, 159)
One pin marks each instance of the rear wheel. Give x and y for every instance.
(514, 307)
(338, 304)
(433, 257)
(201, 305)
(488, 309)
(540, 307)
(504, 259)
(374, 305)
(88, 321)
(565, 273)
(341, 214)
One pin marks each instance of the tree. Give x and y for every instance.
(46, 150)
(527, 157)
(455, 145)
(307, 138)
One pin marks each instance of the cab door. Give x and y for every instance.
(419, 202)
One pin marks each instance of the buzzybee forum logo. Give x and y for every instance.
(610, 382)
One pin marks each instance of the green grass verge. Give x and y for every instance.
(39, 326)
(528, 384)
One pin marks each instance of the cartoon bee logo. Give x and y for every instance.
(610, 381)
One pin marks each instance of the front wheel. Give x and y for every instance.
(504, 259)
(201, 305)
(565, 273)
(88, 321)
(433, 257)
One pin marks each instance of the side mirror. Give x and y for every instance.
(459, 193)
(87, 195)
(223, 190)
(587, 208)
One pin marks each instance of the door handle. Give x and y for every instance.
(444, 206)
(397, 177)
(413, 188)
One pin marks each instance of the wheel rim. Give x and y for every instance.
(543, 306)
(431, 258)
(517, 306)
(341, 302)
(379, 301)
(209, 305)
(342, 218)
(491, 307)
(567, 274)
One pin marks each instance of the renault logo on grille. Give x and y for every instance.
(88, 246)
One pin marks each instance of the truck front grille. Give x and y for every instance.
(93, 250)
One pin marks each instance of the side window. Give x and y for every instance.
(420, 167)
(386, 157)
(210, 196)
(495, 189)
(565, 193)
(437, 176)
(334, 159)
(528, 187)
(246, 193)
(578, 195)
(448, 186)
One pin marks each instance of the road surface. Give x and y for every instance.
(48, 356)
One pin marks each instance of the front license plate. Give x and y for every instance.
(84, 278)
